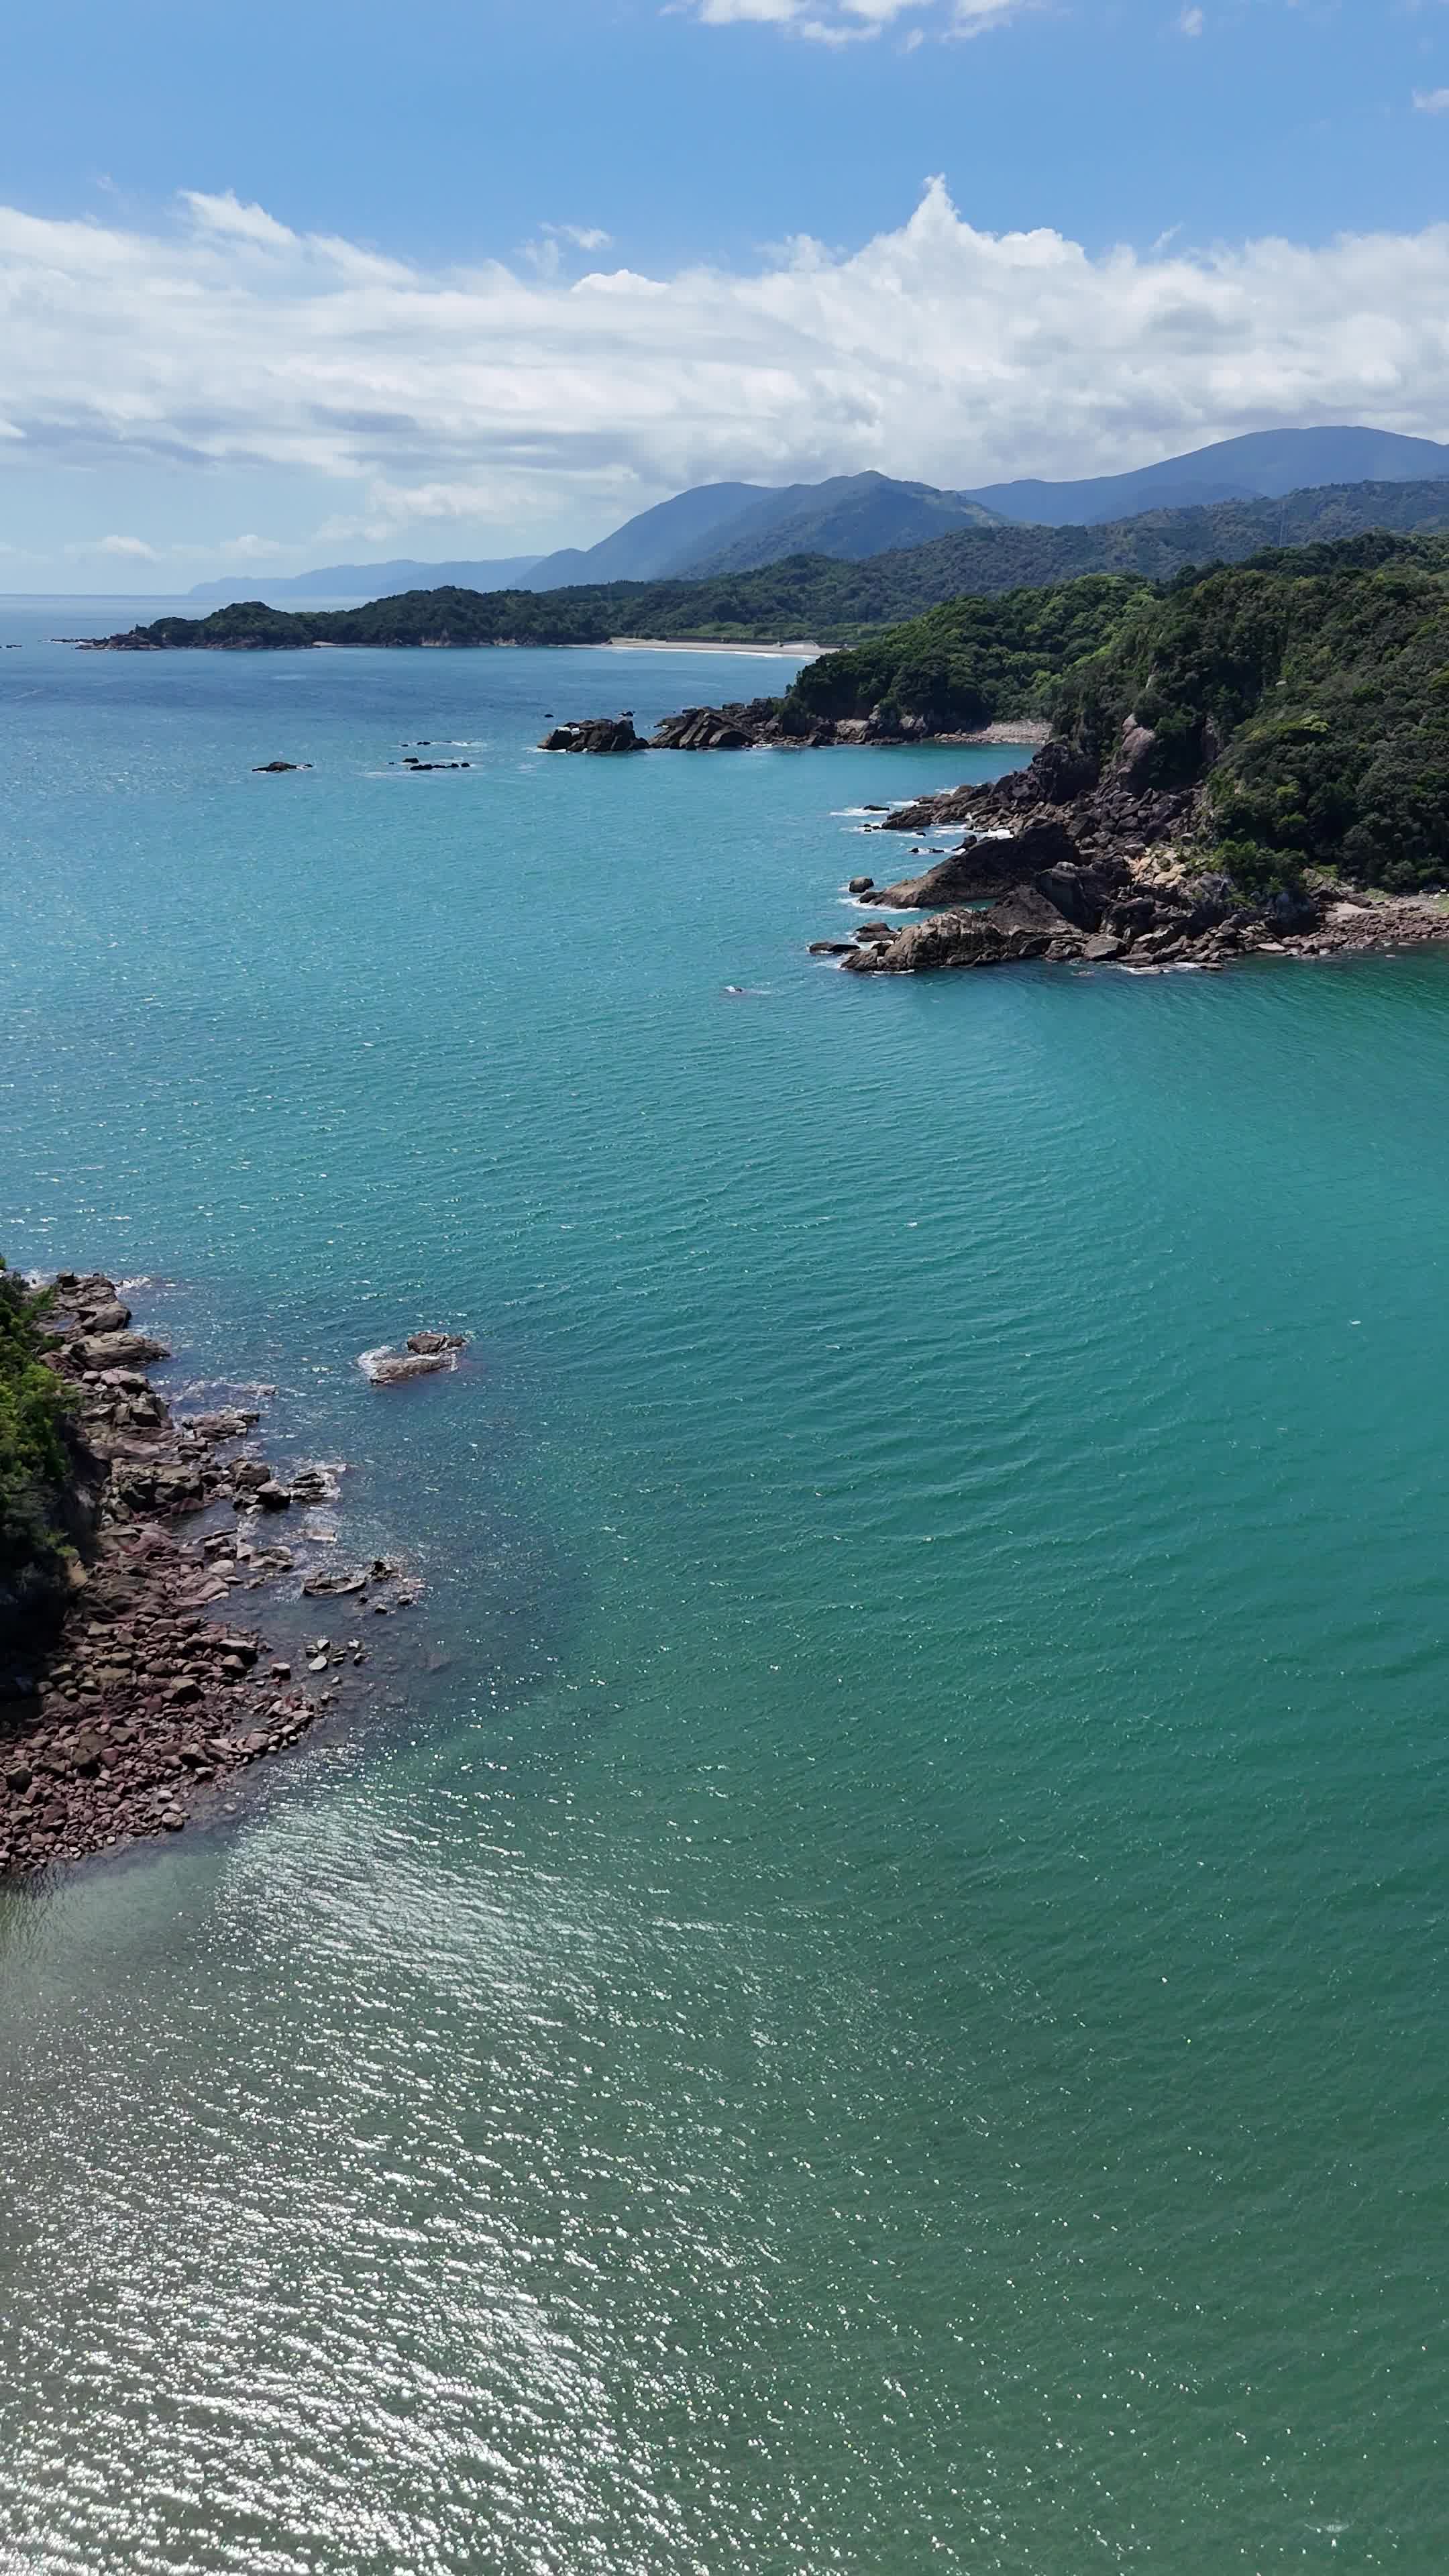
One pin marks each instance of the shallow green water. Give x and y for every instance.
(882, 2005)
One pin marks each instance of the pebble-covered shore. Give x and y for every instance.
(151, 1697)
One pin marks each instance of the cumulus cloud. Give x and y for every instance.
(134, 549)
(501, 398)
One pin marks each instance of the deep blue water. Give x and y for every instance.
(870, 1991)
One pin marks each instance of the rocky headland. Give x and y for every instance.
(130, 1693)
(1059, 863)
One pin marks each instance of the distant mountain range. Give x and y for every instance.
(1263, 466)
(369, 581)
(722, 528)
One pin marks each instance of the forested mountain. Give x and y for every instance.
(811, 597)
(739, 527)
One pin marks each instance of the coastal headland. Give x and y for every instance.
(1253, 759)
(1111, 876)
(131, 1697)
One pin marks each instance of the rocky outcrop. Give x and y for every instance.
(606, 735)
(424, 1354)
(1023, 923)
(1105, 873)
(983, 866)
(749, 724)
(743, 725)
(137, 1711)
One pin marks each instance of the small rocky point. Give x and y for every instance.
(126, 1712)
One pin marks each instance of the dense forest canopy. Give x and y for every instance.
(1310, 691)
(34, 1456)
(972, 659)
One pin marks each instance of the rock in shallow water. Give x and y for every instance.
(393, 1372)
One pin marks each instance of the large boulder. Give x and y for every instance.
(1081, 895)
(604, 734)
(1031, 920)
(395, 1371)
(1292, 909)
(96, 1351)
(981, 869)
(947, 939)
(976, 873)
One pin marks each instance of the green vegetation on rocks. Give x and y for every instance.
(1309, 693)
(971, 660)
(35, 1456)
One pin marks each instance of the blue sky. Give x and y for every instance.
(1246, 197)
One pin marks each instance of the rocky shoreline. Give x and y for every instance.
(129, 1712)
(757, 723)
(1057, 864)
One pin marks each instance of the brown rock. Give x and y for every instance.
(395, 1371)
(97, 1351)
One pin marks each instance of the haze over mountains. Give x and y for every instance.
(719, 528)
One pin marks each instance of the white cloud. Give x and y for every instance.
(1191, 23)
(1432, 102)
(135, 549)
(849, 22)
(250, 549)
(516, 401)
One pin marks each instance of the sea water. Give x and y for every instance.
(866, 1990)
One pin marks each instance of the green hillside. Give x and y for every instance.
(972, 659)
(35, 1461)
(812, 596)
(1310, 691)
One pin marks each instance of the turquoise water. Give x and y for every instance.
(872, 1994)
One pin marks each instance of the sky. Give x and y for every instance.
(290, 286)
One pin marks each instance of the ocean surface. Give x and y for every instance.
(868, 1991)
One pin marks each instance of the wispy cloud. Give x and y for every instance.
(854, 22)
(396, 395)
(1191, 23)
(1432, 102)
